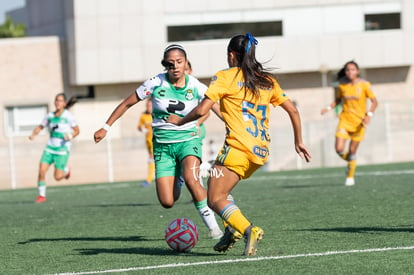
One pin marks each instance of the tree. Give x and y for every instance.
(10, 29)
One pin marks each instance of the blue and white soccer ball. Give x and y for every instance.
(181, 234)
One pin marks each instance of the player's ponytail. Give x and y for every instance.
(255, 76)
(69, 102)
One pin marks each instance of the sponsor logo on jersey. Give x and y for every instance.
(260, 151)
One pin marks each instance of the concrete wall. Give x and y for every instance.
(118, 41)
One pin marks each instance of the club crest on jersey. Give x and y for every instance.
(189, 95)
(213, 80)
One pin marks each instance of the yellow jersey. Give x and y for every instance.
(246, 117)
(145, 122)
(354, 100)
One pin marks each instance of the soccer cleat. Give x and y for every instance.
(349, 182)
(215, 233)
(67, 176)
(145, 184)
(252, 236)
(40, 199)
(229, 238)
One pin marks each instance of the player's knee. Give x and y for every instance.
(167, 203)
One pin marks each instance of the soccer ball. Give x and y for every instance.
(181, 234)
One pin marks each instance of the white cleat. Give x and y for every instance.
(349, 182)
(215, 233)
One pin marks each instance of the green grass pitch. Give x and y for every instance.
(313, 225)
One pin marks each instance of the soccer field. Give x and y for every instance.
(313, 225)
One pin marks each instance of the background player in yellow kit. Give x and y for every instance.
(353, 93)
(244, 91)
(145, 126)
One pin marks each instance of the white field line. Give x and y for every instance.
(255, 259)
(332, 175)
(272, 177)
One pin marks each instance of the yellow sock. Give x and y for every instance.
(351, 168)
(234, 217)
(151, 171)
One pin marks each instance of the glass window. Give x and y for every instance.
(219, 31)
(382, 21)
(21, 120)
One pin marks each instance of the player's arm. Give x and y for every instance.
(140, 123)
(116, 114)
(370, 113)
(75, 132)
(202, 109)
(203, 118)
(331, 106)
(294, 116)
(36, 131)
(216, 109)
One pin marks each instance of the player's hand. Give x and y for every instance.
(174, 119)
(366, 121)
(303, 152)
(99, 135)
(324, 111)
(68, 137)
(31, 137)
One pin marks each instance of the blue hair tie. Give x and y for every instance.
(251, 40)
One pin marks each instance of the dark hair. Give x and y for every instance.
(255, 76)
(167, 50)
(69, 102)
(341, 75)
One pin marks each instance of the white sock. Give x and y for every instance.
(208, 217)
(42, 190)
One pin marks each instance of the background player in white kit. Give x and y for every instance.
(63, 128)
(177, 149)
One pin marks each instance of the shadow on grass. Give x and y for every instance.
(117, 205)
(139, 250)
(88, 239)
(366, 229)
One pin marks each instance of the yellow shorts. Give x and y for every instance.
(237, 161)
(346, 130)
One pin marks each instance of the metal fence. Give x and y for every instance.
(388, 139)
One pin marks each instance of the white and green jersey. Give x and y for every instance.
(166, 100)
(59, 127)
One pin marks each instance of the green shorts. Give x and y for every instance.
(59, 158)
(168, 156)
(202, 132)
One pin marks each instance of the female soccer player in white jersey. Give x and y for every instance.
(177, 149)
(63, 128)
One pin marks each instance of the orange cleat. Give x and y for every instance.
(40, 199)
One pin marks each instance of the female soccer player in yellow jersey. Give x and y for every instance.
(145, 126)
(353, 93)
(177, 149)
(244, 91)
